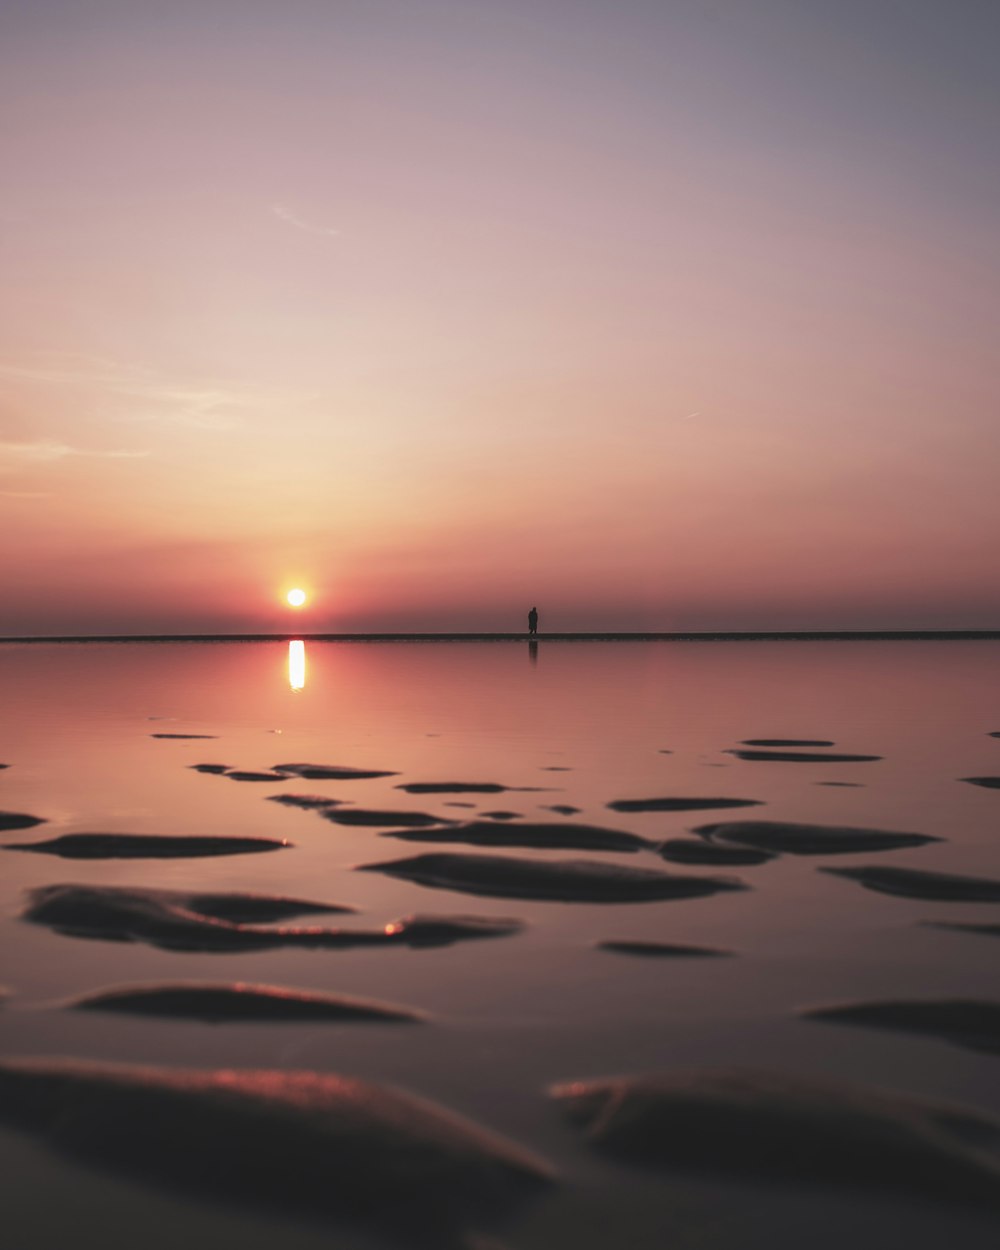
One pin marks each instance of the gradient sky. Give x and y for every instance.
(656, 313)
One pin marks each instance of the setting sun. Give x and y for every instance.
(296, 598)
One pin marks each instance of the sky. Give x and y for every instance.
(658, 314)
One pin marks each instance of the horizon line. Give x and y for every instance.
(756, 635)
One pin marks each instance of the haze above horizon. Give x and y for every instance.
(663, 317)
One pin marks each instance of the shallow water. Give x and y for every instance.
(586, 723)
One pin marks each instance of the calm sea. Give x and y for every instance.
(568, 724)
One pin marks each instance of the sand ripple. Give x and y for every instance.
(785, 1129)
(660, 950)
(795, 838)
(301, 1142)
(566, 880)
(913, 883)
(964, 1021)
(145, 846)
(332, 772)
(803, 757)
(239, 1002)
(19, 820)
(566, 837)
(678, 804)
(222, 923)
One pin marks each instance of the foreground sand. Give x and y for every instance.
(635, 1017)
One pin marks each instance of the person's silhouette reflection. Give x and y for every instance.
(533, 621)
(533, 651)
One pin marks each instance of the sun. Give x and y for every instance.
(296, 598)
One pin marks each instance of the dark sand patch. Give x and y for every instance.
(218, 1003)
(454, 787)
(852, 785)
(990, 783)
(789, 1130)
(215, 770)
(502, 815)
(365, 816)
(245, 908)
(239, 774)
(695, 851)
(664, 751)
(191, 737)
(455, 803)
(792, 838)
(307, 1144)
(994, 734)
(223, 923)
(309, 802)
(567, 880)
(966, 1022)
(114, 910)
(145, 846)
(987, 930)
(803, 757)
(549, 836)
(678, 804)
(787, 742)
(564, 809)
(555, 768)
(914, 883)
(170, 919)
(332, 772)
(20, 820)
(660, 950)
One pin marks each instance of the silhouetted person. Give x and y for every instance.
(533, 621)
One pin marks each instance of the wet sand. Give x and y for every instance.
(367, 1043)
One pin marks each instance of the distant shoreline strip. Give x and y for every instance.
(843, 635)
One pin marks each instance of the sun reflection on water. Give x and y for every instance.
(297, 665)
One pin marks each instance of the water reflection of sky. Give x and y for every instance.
(545, 1005)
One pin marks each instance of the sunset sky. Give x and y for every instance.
(662, 314)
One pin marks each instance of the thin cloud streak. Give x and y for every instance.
(283, 213)
(72, 369)
(208, 407)
(201, 408)
(47, 450)
(205, 404)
